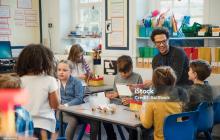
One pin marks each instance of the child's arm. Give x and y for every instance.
(125, 100)
(53, 100)
(86, 67)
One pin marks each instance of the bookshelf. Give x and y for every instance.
(205, 48)
(180, 38)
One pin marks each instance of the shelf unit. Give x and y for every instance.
(181, 38)
(183, 41)
(208, 41)
(87, 43)
(80, 38)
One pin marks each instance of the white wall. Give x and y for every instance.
(59, 13)
(213, 12)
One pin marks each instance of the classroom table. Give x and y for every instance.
(96, 89)
(122, 116)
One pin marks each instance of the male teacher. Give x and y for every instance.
(174, 57)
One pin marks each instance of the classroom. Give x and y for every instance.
(110, 69)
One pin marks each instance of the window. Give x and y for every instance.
(90, 14)
(193, 8)
(89, 21)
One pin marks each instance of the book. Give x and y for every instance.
(123, 90)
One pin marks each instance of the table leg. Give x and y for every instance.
(61, 123)
(94, 130)
(139, 135)
(99, 130)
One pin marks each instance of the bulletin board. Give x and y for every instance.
(20, 21)
(117, 24)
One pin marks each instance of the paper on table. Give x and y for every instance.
(123, 90)
(101, 95)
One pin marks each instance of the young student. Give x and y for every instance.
(80, 67)
(34, 66)
(71, 91)
(23, 120)
(199, 70)
(127, 76)
(155, 111)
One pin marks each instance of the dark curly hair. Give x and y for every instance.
(35, 59)
(159, 31)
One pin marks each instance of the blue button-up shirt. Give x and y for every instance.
(73, 92)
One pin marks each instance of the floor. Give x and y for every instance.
(103, 135)
(216, 134)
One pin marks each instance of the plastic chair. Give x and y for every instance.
(205, 119)
(216, 108)
(177, 127)
(61, 138)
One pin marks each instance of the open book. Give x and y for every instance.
(123, 90)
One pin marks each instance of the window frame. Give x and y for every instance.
(189, 9)
(89, 5)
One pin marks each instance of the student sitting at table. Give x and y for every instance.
(80, 69)
(154, 111)
(71, 91)
(199, 70)
(125, 76)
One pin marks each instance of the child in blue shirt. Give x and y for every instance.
(71, 91)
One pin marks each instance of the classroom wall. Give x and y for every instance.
(59, 13)
(20, 24)
(213, 12)
(63, 19)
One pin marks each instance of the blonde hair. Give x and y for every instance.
(75, 50)
(163, 76)
(10, 81)
(68, 62)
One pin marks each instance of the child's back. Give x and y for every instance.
(38, 87)
(160, 106)
(34, 65)
(199, 71)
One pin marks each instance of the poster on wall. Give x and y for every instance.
(110, 67)
(4, 11)
(4, 38)
(117, 11)
(24, 4)
(20, 22)
(108, 24)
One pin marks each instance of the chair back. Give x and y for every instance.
(216, 108)
(61, 138)
(180, 126)
(205, 117)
